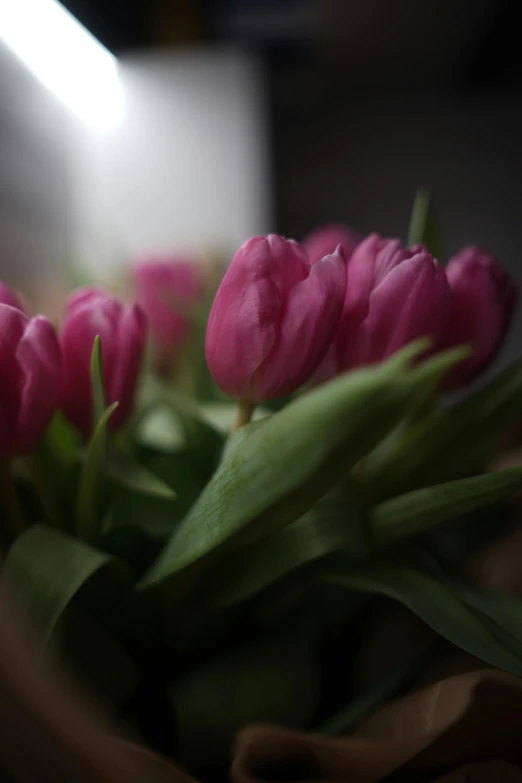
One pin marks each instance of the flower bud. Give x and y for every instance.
(484, 297)
(30, 367)
(273, 318)
(122, 329)
(10, 296)
(325, 239)
(394, 296)
(166, 289)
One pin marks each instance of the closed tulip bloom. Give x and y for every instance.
(166, 289)
(14, 298)
(484, 297)
(122, 329)
(394, 295)
(273, 318)
(325, 239)
(30, 368)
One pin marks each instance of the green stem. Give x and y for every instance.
(9, 499)
(244, 411)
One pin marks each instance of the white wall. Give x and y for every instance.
(187, 167)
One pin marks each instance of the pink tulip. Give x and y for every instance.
(10, 296)
(273, 318)
(325, 239)
(484, 297)
(30, 367)
(122, 329)
(394, 295)
(166, 289)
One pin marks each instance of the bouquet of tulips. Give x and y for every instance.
(201, 544)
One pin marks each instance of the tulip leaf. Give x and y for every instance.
(422, 509)
(47, 569)
(126, 472)
(274, 680)
(90, 492)
(334, 523)
(99, 397)
(423, 229)
(276, 469)
(450, 443)
(441, 607)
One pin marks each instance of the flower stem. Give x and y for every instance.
(9, 500)
(244, 411)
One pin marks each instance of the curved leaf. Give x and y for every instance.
(47, 569)
(441, 608)
(275, 470)
(422, 509)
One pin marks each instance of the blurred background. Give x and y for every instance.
(198, 123)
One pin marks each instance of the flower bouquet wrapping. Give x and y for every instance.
(273, 585)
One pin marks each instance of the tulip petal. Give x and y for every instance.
(39, 358)
(308, 323)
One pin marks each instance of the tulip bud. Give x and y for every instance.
(122, 329)
(30, 367)
(484, 297)
(273, 318)
(13, 298)
(325, 239)
(166, 289)
(394, 296)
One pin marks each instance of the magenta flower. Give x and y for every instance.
(14, 298)
(325, 239)
(394, 295)
(273, 318)
(122, 329)
(484, 297)
(166, 289)
(30, 366)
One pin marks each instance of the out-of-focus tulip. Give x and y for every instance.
(325, 239)
(484, 297)
(122, 329)
(166, 289)
(273, 318)
(394, 295)
(14, 298)
(30, 369)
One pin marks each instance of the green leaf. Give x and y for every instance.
(274, 680)
(448, 443)
(99, 397)
(334, 523)
(422, 509)
(439, 606)
(47, 569)
(276, 469)
(89, 506)
(423, 229)
(128, 473)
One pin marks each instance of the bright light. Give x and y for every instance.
(65, 57)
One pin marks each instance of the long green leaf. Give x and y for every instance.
(276, 469)
(439, 606)
(422, 509)
(99, 397)
(334, 523)
(47, 569)
(128, 473)
(90, 492)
